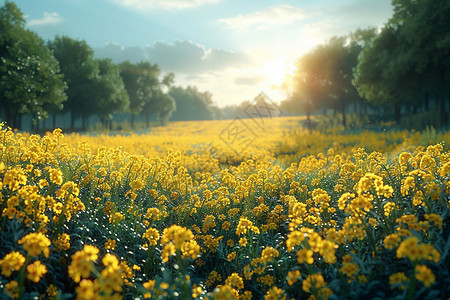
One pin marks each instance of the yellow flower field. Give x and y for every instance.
(233, 209)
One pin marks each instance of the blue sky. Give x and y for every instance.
(232, 48)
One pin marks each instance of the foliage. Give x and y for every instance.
(145, 90)
(30, 78)
(409, 57)
(191, 104)
(109, 94)
(80, 72)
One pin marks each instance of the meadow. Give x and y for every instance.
(232, 209)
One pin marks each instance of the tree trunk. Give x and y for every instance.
(308, 121)
(72, 120)
(444, 116)
(397, 113)
(132, 120)
(344, 119)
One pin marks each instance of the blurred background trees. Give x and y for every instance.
(396, 69)
(395, 72)
(31, 82)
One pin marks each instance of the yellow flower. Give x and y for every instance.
(293, 239)
(190, 249)
(213, 278)
(62, 242)
(411, 249)
(149, 285)
(52, 291)
(231, 256)
(12, 289)
(424, 274)
(177, 234)
(110, 244)
(275, 293)
(196, 291)
(268, 253)
(14, 178)
(234, 280)
(391, 241)
(313, 282)
(349, 269)
(305, 256)
(116, 218)
(81, 265)
(293, 277)
(244, 225)
(243, 242)
(152, 235)
(35, 244)
(86, 290)
(168, 250)
(56, 176)
(35, 271)
(12, 261)
(435, 219)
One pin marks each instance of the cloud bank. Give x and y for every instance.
(179, 57)
(48, 19)
(231, 77)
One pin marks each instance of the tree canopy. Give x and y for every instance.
(30, 75)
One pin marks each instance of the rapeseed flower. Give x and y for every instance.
(35, 271)
(12, 261)
(425, 275)
(305, 256)
(234, 280)
(35, 244)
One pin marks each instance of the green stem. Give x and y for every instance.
(412, 284)
(22, 277)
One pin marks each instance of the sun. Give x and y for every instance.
(275, 71)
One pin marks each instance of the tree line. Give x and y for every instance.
(399, 68)
(62, 77)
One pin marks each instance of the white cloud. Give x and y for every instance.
(275, 15)
(231, 77)
(165, 4)
(184, 57)
(48, 19)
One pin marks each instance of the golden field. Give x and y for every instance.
(233, 209)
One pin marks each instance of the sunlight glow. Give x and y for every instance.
(276, 70)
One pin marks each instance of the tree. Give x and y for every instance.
(141, 81)
(191, 104)
(160, 103)
(109, 94)
(163, 106)
(304, 87)
(165, 103)
(80, 71)
(379, 77)
(30, 78)
(424, 26)
(409, 57)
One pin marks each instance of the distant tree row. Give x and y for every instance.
(62, 77)
(402, 66)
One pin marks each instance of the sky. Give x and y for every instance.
(233, 49)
